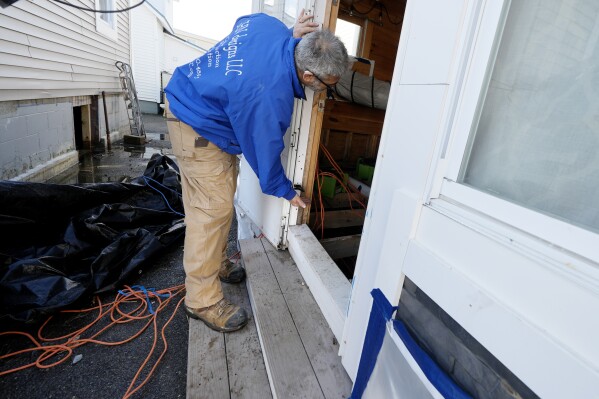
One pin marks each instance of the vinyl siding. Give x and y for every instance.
(49, 50)
(148, 40)
(178, 53)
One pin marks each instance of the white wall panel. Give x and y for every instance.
(433, 29)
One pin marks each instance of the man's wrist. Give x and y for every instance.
(290, 194)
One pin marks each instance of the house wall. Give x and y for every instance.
(51, 56)
(200, 41)
(37, 137)
(51, 50)
(145, 37)
(33, 132)
(178, 53)
(164, 7)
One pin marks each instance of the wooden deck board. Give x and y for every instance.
(207, 375)
(318, 339)
(300, 351)
(289, 369)
(247, 373)
(226, 365)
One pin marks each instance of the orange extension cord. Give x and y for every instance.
(143, 311)
(355, 196)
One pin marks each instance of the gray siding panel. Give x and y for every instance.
(51, 50)
(29, 84)
(47, 30)
(11, 60)
(12, 36)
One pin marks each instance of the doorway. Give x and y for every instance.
(341, 174)
(82, 127)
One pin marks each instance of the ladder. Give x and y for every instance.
(133, 109)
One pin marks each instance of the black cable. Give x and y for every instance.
(99, 11)
(382, 7)
(374, 4)
(372, 90)
(389, 16)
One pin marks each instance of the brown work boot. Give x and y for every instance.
(223, 316)
(231, 273)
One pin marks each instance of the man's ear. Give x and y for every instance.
(308, 77)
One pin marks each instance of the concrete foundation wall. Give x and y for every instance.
(37, 137)
(118, 121)
(33, 133)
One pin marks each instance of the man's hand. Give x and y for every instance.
(299, 202)
(304, 25)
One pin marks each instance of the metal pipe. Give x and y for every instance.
(106, 120)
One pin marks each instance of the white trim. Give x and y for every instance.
(554, 231)
(328, 285)
(102, 26)
(472, 17)
(161, 18)
(487, 38)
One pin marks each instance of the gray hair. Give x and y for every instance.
(321, 53)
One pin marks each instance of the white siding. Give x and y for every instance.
(51, 50)
(178, 53)
(161, 50)
(147, 38)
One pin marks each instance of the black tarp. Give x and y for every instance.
(63, 243)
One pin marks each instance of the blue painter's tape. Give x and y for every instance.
(440, 380)
(380, 314)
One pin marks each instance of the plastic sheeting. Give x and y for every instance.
(396, 375)
(365, 90)
(62, 243)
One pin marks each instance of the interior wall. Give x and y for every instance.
(380, 42)
(352, 132)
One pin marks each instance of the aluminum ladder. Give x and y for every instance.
(132, 102)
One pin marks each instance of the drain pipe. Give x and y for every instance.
(106, 119)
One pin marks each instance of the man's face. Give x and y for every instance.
(318, 84)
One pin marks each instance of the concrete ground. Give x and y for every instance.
(104, 371)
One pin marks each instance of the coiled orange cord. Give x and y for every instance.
(62, 347)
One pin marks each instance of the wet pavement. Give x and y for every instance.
(121, 162)
(104, 371)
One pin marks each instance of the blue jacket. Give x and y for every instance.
(239, 95)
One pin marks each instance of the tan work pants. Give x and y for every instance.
(208, 180)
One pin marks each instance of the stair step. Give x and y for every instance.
(299, 348)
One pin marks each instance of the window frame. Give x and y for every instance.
(541, 236)
(104, 28)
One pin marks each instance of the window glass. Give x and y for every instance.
(284, 10)
(536, 142)
(350, 34)
(107, 17)
(291, 10)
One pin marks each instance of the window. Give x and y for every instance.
(350, 34)
(285, 10)
(537, 137)
(106, 22)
